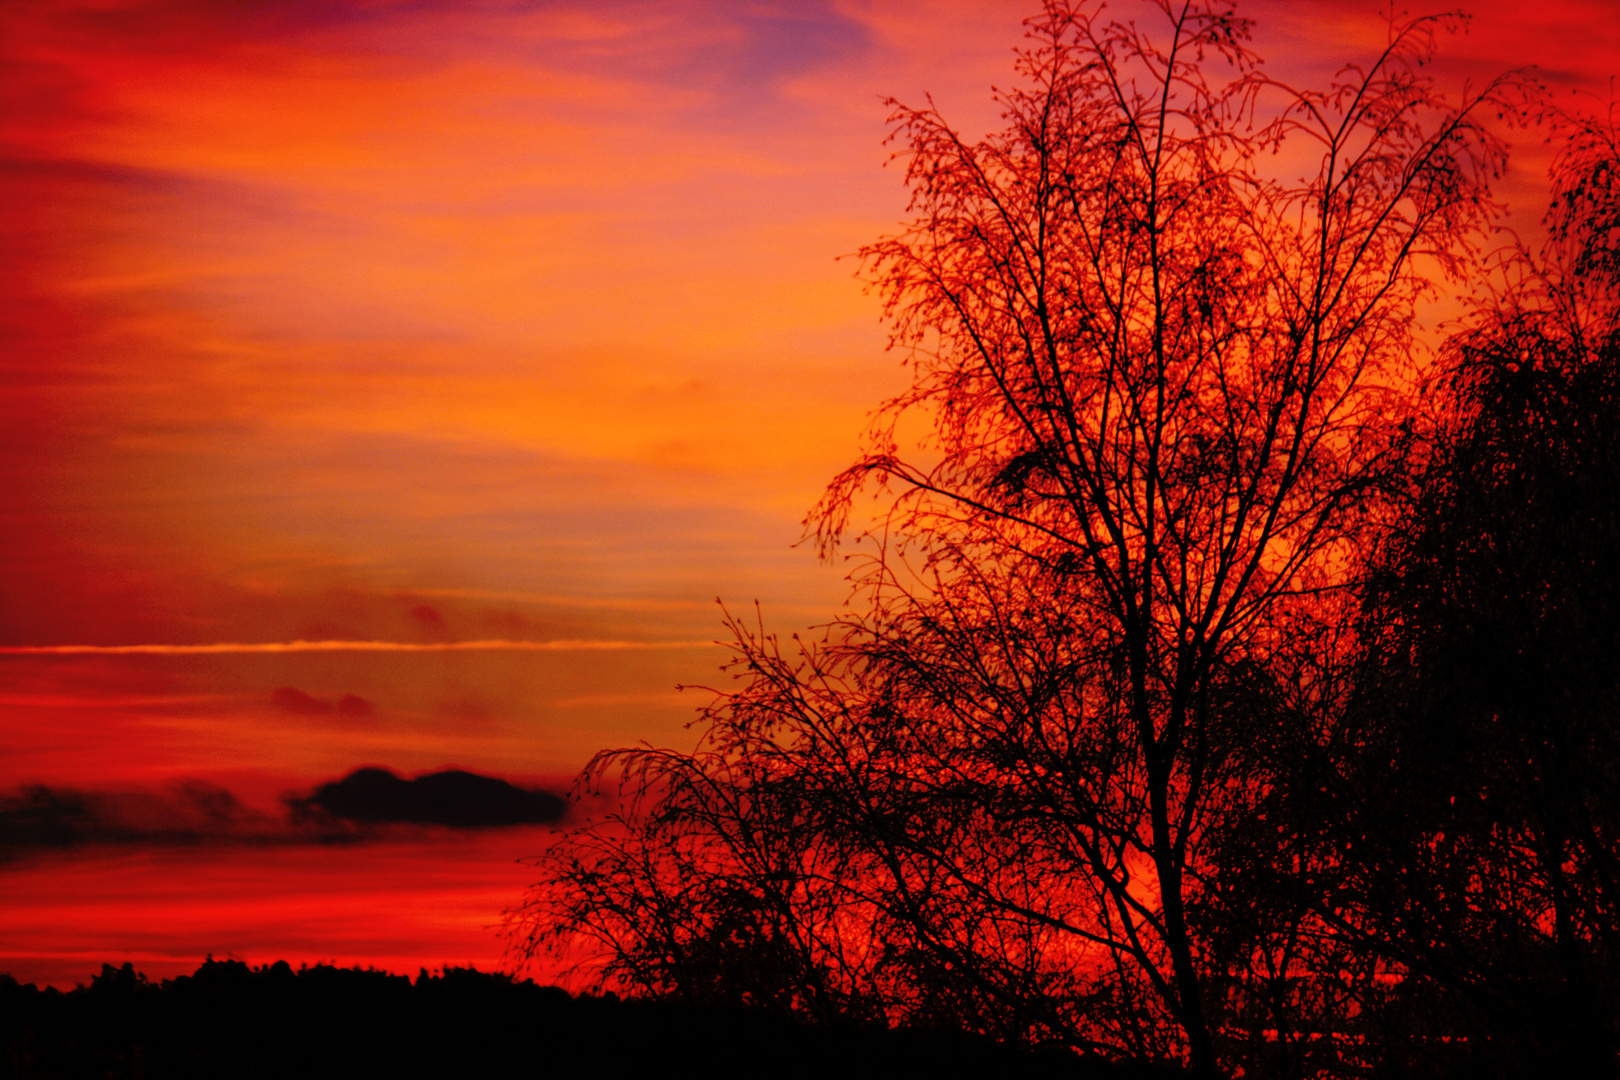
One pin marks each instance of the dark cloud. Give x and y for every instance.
(291, 699)
(353, 705)
(427, 617)
(40, 817)
(459, 799)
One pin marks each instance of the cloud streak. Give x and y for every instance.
(233, 647)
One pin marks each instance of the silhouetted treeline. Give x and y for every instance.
(231, 1021)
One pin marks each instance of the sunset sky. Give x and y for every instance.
(519, 323)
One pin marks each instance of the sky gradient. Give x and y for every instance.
(503, 337)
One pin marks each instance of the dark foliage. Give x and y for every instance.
(229, 1020)
(1490, 803)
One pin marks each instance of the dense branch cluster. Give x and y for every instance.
(1156, 726)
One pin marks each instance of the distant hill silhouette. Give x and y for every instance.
(230, 1020)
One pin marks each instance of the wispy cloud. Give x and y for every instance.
(490, 645)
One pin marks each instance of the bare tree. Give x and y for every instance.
(1161, 326)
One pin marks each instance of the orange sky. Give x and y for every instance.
(431, 321)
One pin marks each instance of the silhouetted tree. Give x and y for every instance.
(1491, 806)
(1167, 385)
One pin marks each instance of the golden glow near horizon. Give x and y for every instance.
(455, 357)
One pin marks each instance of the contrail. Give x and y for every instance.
(492, 645)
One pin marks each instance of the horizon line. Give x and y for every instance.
(486, 645)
